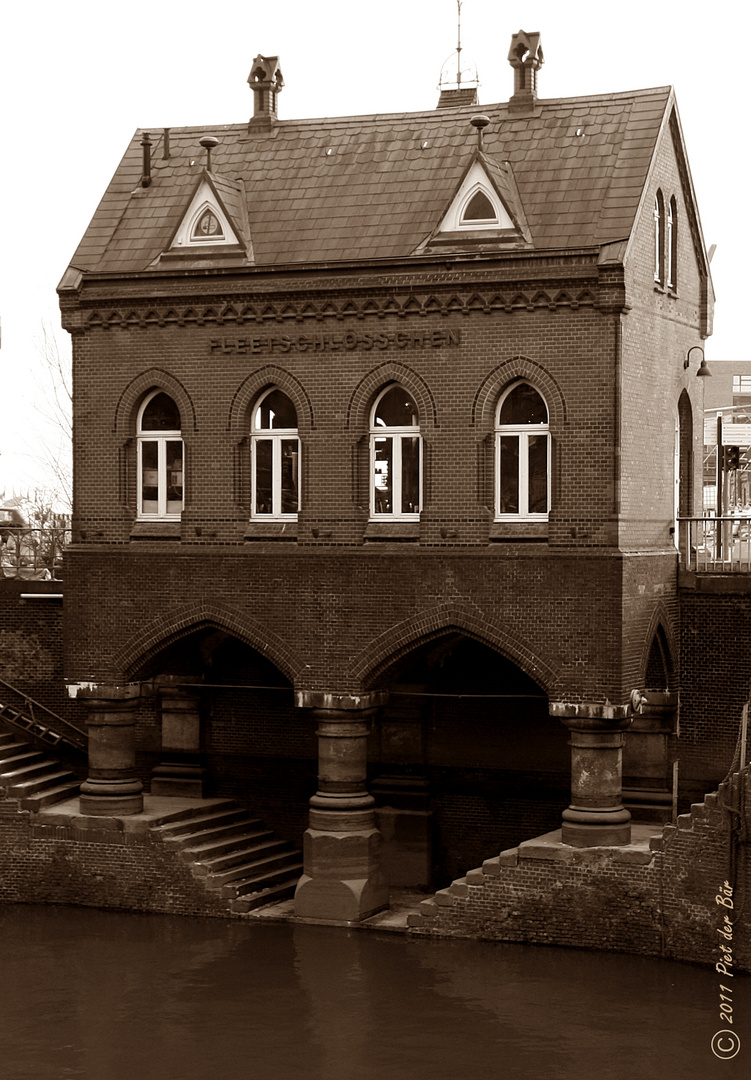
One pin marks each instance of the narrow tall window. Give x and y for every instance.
(395, 459)
(659, 221)
(160, 458)
(671, 243)
(275, 448)
(522, 455)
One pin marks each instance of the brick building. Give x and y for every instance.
(381, 427)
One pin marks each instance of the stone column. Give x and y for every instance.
(596, 816)
(342, 879)
(181, 772)
(112, 788)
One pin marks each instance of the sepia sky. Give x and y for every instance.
(77, 78)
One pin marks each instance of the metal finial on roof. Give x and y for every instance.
(208, 142)
(465, 77)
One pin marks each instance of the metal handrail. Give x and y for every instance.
(70, 733)
(31, 552)
(715, 544)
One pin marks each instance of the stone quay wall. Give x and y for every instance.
(96, 862)
(683, 895)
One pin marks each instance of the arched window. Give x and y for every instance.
(395, 460)
(275, 449)
(671, 243)
(479, 210)
(160, 458)
(522, 454)
(659, 222)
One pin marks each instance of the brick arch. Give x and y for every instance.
(517, 367)
(137, 388)
(358, 411)
(248, 391)
(405, 636)
(182, 622)
(660, 621)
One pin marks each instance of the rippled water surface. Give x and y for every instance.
(98, 995)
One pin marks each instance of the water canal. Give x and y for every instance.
(101, 995)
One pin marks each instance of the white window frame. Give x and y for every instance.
(523, 432)
(277, 437)
(397, 434)
(161, 438)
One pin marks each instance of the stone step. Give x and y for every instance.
(32, 770)
(288, 875)
(235, 840)
(21, 754)
(278, 857)
(283, 891)
(191, 821)
(51, 796)
(206, 834)
(40, 783)
(216, 864)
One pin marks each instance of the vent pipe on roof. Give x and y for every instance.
(265, 80)
(146, 172)
(479, 123)
(165, 148)
(525, 57)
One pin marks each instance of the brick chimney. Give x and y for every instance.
(265, 80)
(525, 57)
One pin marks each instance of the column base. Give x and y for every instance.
(179, 781)
(596, 828)
(109, 798)
(343, 880)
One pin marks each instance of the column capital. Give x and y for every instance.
(591, 715)
(323, 699)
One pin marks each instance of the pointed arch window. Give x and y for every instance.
(160, 458)
(395, 456)
(671, 246)
(659, 239)
(207, 227)
(479, 210)
(275, 450)
(522, 455)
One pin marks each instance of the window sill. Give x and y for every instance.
(519, 530)
(155, 530)
(392, 530)
(271, 530)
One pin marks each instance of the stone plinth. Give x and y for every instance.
(342, 879)
(181, 773)
(596, 816)
(112, 787)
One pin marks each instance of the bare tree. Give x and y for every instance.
(54, 403)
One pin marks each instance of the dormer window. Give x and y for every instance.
(207, 227)
(479, 210)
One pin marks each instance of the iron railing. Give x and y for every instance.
(715, 544)
(33, 554)
(22, 712)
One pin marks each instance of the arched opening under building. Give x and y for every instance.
(253, 744)
(464, 760)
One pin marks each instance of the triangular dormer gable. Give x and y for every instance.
(477, 204)
(485, 210)
(206, 222)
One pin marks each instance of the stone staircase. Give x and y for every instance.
(235, 855)
(33, 777)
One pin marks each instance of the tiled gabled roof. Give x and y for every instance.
(375, 187)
